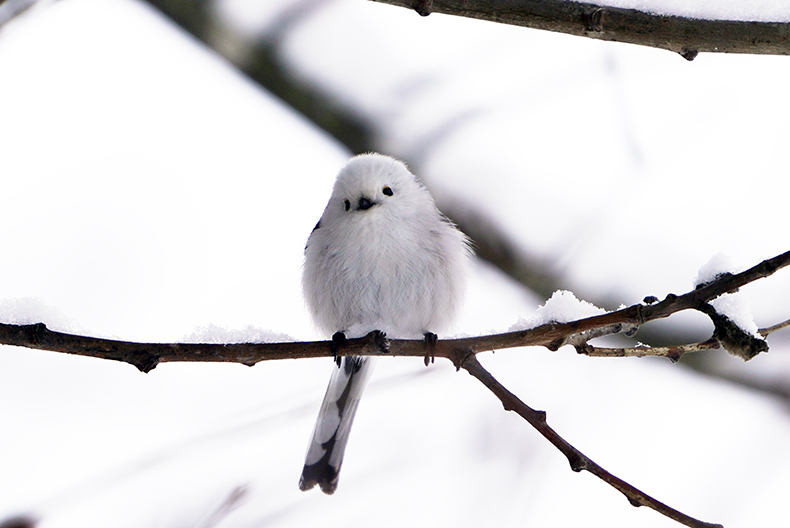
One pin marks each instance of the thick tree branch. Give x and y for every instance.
(687, 36)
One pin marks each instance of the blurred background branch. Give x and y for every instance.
(12, 8)
(260, 60)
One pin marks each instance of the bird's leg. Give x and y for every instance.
(380, 338)
(339, 341)
(430, 347)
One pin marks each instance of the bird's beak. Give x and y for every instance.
(365, 204)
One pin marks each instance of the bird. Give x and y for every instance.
(381, 258)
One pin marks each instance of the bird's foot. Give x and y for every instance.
(339, 342)
(380, 338)
(430, 347)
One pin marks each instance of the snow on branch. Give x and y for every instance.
(462, 352)
(552, 335)
(684, 35)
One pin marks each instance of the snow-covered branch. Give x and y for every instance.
(552, 335)
(673, 353)
(684, 35)
(462, 352)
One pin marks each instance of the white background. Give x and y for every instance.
(152, 193)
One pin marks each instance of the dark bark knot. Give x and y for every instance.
(593, 20)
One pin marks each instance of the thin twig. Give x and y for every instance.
(765, 332)
(234, 499)
(578, 460)
(673, 353)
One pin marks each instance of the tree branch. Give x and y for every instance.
(146, 356)
(765, 332)
(578, 460)
(10, 9)
(673, 353)
(462, 352)
(687, 36)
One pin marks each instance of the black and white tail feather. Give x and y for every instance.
(382, 257)
(330, 435)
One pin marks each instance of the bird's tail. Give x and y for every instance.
(330, 435)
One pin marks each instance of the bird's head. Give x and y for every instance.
(372, 185)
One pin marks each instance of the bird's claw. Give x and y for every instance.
(430, 347)
(339, 342)
(380, 338)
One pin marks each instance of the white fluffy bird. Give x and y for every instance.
(382, 257)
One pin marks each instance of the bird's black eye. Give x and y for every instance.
(347, 204)
(386, 190)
